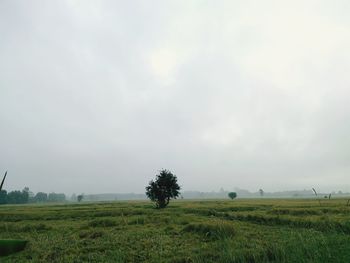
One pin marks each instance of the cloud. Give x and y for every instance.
(97, 96)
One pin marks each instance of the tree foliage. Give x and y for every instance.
(3, 197)
(56, 197)
(163, 188)
(40, 197)
(18, 197)
(25, 196)
(232, 195)
(80, 197)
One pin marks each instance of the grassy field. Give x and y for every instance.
(186, 231)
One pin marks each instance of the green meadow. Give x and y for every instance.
(246, 230)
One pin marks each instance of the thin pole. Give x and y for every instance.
(3, 180)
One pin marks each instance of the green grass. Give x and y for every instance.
(256, 230)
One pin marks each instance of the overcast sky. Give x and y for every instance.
(97, 96)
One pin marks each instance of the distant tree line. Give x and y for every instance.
(25, 196)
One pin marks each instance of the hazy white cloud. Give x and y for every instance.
(97, 96)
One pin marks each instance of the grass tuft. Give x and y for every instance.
(216, 229)
(105, 222)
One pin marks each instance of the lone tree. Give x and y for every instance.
(80, 197)
(163, 189)
(232, 195)
(261, 191)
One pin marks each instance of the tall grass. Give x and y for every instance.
(263, 230)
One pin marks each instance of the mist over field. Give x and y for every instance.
(98, 96)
